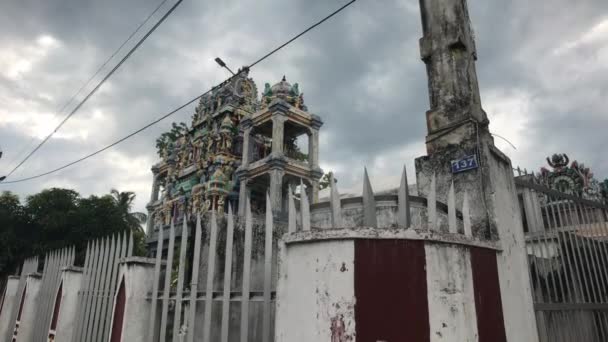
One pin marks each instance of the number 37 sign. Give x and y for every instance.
(464, 164)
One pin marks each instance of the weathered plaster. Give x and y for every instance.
(315, 298)
(316, 235)
(10, 302)
(71, 279)
(450, 291)
(30, 308)
(138, 275)
(514, 280)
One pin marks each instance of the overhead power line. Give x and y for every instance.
(27, 146)
(86, 98)
(185, 104)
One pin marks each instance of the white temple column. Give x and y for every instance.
(242, 197)
(314, 191)
(278, 133)
(313, 148)
(246, 147)
(276, 194)
(155, 188)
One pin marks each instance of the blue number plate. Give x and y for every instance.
(464, 164)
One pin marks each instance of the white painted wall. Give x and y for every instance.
(520, 321)
(30, 308)
(316, 286)
(10, 301)
(138, 275)
(71, 280)
(452, 315)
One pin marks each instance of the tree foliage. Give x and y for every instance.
(57, 218)
(177, 130)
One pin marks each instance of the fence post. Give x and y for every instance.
(30, 308)
(71, 280)
(130, 313)
(10, 301)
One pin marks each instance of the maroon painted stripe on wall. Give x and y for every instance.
(57, 307)
(488, 303)
(119, 314)
(391, 291)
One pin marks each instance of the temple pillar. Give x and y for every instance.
(155, 188)
(276, 193)
(313, 148)
(246, 147)
(278, 132)
(314, 191)
(242, 197)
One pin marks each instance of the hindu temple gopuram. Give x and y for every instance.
(236, 142)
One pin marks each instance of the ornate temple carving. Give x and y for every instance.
(197, 171)
(572, 178)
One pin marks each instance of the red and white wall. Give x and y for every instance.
(405, 287)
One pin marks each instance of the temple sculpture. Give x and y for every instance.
(236, 145)
(572, 178)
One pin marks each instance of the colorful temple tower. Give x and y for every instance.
(281, 119)
(235, 145)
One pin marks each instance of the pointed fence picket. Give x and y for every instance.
(99, 286)
(51, 281)
(30, 266)
(234, 260)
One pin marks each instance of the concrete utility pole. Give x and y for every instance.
(460, 149)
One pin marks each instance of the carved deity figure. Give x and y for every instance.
(220, 203)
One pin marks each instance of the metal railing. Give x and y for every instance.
(567, 247)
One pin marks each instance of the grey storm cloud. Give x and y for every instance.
(542, 71)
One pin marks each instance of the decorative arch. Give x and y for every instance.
(55, 318)
(16, 331)
(119, 313)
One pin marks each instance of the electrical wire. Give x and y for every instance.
(86, 98)
(65, 105)
(185, 104)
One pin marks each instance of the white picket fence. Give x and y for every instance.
(96, 297)
(214, 277)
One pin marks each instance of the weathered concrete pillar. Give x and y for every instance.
(246, 125)
(278, 133)
(276, 185)
(448, 50)
(460, 149)
(131, 306)
(11, 301)
(71, 280)
(242, 197)
(155, 186)
(314, 191)
(313, 148)
(30, 308)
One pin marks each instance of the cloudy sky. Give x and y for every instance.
(543, 72)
